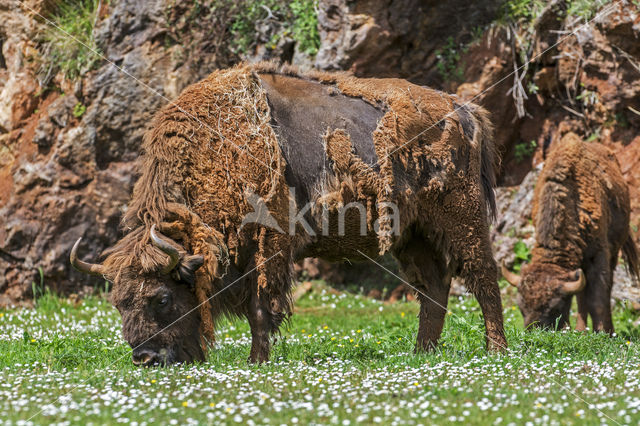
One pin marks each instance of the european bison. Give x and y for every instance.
(257, 166)
(581, 214)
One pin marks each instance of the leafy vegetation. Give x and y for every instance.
(524, 150)
(585, 9)
(527, 11)
(297, 19)
(67, 43)
(305, 25)
(449, 65)
(523, 255)
(521, 11)
(342, 358)
(79, 110)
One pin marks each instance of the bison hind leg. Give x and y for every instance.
(481, 278)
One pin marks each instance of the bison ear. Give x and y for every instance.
(188, 267)
(512, 278)
(575, 286)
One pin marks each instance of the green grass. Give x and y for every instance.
(298, 20)
(342, 357)
(67, 43)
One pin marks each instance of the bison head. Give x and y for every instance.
(545, 292)
(160, 315)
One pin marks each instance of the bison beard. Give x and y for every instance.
(187, 257)
(581, 213)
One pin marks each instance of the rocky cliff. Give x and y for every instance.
(77, 93)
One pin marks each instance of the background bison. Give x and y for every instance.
(421, 166)
(581, 213)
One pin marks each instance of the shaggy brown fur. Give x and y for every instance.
(233, 133)
(581, 213)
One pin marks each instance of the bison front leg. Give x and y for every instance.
(583, 311)
(260, 321)
(427, 273)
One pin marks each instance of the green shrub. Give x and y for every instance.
(527, 11)
(585, 9)
(449, 63)
(67, 43)
(78, 110)
(243, 27)
(298, 18)
(305, 25)
(523, 255)
(520, 11)
(524, 150)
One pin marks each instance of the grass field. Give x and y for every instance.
(342, 359)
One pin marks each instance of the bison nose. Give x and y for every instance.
(144, 357)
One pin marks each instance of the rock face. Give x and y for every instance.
(65, 175)
(68, 149)
(583, 77)
(395, 38)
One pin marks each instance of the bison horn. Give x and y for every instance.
(512, 278)
(87, 268)
(576, 286)
(174, 256)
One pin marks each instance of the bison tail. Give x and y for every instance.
(630, 253)
(490, 162)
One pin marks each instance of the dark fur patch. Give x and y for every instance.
(630, 252)
(466, 120)
(545, 146)
(302, 111)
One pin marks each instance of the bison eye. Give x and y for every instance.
(162, 300)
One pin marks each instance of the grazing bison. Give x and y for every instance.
(258, 166)
(581, 214)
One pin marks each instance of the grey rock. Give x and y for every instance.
(395, 38)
